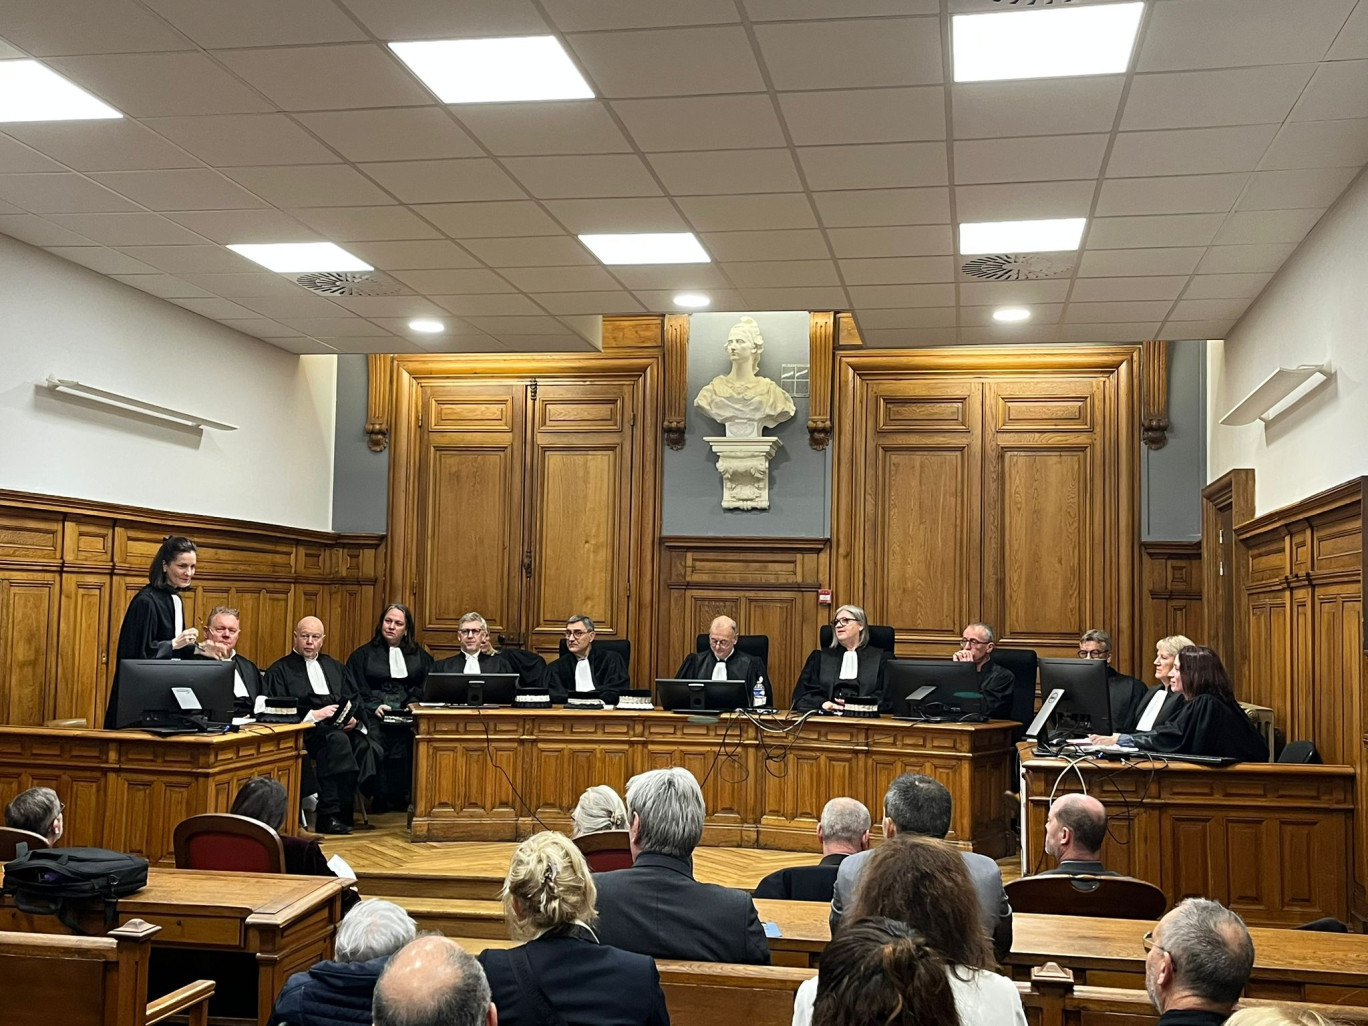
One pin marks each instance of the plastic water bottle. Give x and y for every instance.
(758, 693)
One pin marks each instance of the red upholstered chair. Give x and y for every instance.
(606, 850)
(226, 843)
(12, 837)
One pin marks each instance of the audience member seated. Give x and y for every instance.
(1074, 832)
(722, 661)
(916, 804)
(586, 668)
(1209, 722)
(1127, 695)
(1198, 961)
(344, 756)
(879, 972)
(923, 884)
(37, 810)
(1160, 703)
(849, 669)
(657, 908)
(338, 992)
(561, 967)
(432, 981)
(389, 671)
(842, 831)
(597, 810)
(996, 683)
(1278, 1015)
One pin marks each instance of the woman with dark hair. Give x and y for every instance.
(850, 669)
(154, 625)
(389, 670)
(1209, 721)
(880, 972)
(924, 883)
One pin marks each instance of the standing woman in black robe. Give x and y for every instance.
(389, 670)
(154, 625)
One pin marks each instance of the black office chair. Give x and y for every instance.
(1300, 751)
(880, 636)
(621, 646)
(1023, 664)
(752, 644)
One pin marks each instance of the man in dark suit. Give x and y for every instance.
(657, 908)
(722, 661)
(996, 683)
(1127, 695)
(843, 831)
(223, 628)
(584, 667)
(1074, 832)
(1198, 962)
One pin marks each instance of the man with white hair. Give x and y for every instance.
(340, 991)
(842, 831)
(37, 810)
(722, 660)
(657, 908)
(1197, 962)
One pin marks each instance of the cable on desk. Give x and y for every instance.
(489, 751)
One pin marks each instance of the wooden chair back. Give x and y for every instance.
(1105, 897)
(12, 837)
(227, 843)
(606, 850)
(706, 993)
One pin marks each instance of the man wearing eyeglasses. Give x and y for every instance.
(1197, 962)
(1127, 693)
(37, 810)
(585, 668)
(996, 683)
(722, 661)
(477, 654)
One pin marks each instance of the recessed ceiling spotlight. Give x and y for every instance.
(1029, 3)
(426, 326)
(1093, 40)
(1051, 236)
(300, 256)
(520, 68)
(693, 300)
(1012, 314)
(648, 248)
(30, 91)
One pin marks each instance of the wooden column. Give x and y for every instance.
(1154, 365)
(378, 407)
(821, 343)
(676, 378)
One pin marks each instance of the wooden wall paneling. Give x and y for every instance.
(30, 601)
(1171, 598)
(1226, 503)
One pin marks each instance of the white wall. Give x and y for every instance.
(1314, 310)
(61, 319)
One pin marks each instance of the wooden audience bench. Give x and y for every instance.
(705, 993)
(89, 981)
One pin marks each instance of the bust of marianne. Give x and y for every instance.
(741, 400)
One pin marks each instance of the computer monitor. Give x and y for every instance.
(145, 686)
(955, 694)
(1085, 706)
(471, 689)
(702, 696)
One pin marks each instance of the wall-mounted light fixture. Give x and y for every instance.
(1278, 393)
(128, 404)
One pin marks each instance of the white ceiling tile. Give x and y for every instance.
(61, 193)
(1127, 332)
(1251, 258)
(898, 270)
(675, 277)
(820, 10)
(1256, 226)
(583, 176)
(865, 115)
(302, 304)
(76, 26)
(561, 279)
(374, 343)
(724, 172)
(851, 54)
(1338, 90)
(611, 302)
(669, 62)
(877, 297)
(190, 259)
(1120, 263)
(246, 286)
(908, 240)
(163, 285)
(259, 327)
(781, 274)
(439, 181)
(310, 185)
(441, 19)
(1057, 106)
(543, 325)
(534, 129)
(183, 189)
(1154, 230)
(1318, 144)
(826, 297)
(333, 327)
(645, 214)
(355, 224)
(907, 317)
(1209, 309)
(1026, 201)
(162, 84)
(1113, 290)
(17, 157)
(454, 282)
(301, 345)
(1233, 96)
(1013, 293)
(385, 310)
(7, 51)
(1286, 190)
(532, 251)
(243, 140)
(796, 244)
(215, 308)
(1040, 158)
(909, 338)
(258, 22)
(1223, 286)
(10, 208)
(226, 226)
(404, 256)
(1189, 151)
(661, 125)
(588, 15)
(402, 133)
(453, 327)
(505, 304)
(37, 231)
(883, 166)
(327, 77)
(1195, 329)
(102, 259)
(1182, 194)
(982, 316)
(1101, 313)
(1008, 334)
(102, 145)
(1352, 41)
(489, 220)
(1239, 33)
(879, 207)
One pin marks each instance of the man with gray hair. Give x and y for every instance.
(37, 810)
(842, 831)
(1198, 961)
(433, 982)
(584, 668)
(1126, 694)
(657, 908)
(339, 991)
(996, 684)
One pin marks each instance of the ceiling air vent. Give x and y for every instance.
(349, 283)
(1016, 267)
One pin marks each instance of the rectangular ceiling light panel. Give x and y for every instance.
(647, 248)
(30, 91)
(1053, 236)
(495, 70)
(292, 257)
(1057, 43)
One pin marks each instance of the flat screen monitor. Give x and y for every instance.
(955, 695)
(145, 687)
(702, 696)
(1085, 706)
(471, 689)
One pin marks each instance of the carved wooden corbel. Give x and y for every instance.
(821, 344)
(378, 407)
(676, 378)
(1154, 422)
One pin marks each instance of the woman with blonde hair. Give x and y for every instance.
(1161, 702)
(561, 973)
(1278, 1015)
(599, 809)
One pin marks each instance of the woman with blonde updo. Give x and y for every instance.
(598, 809)
(561, 973)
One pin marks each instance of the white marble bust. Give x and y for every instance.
(741, 400)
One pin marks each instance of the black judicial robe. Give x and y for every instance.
(1172, 703)
(490, 662)
(1207, 725)
(288, 678)
(740, 666)
(369, 667)
(149, 627)
(818, 681)
(1128, 698)
(529, 666)
(997, 685)
(607, 669)
(251, 680)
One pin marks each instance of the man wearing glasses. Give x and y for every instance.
(477, 654)
(1127, 694)
(1197, 962)
(996, 683)
(585, 668)
(37, 810)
